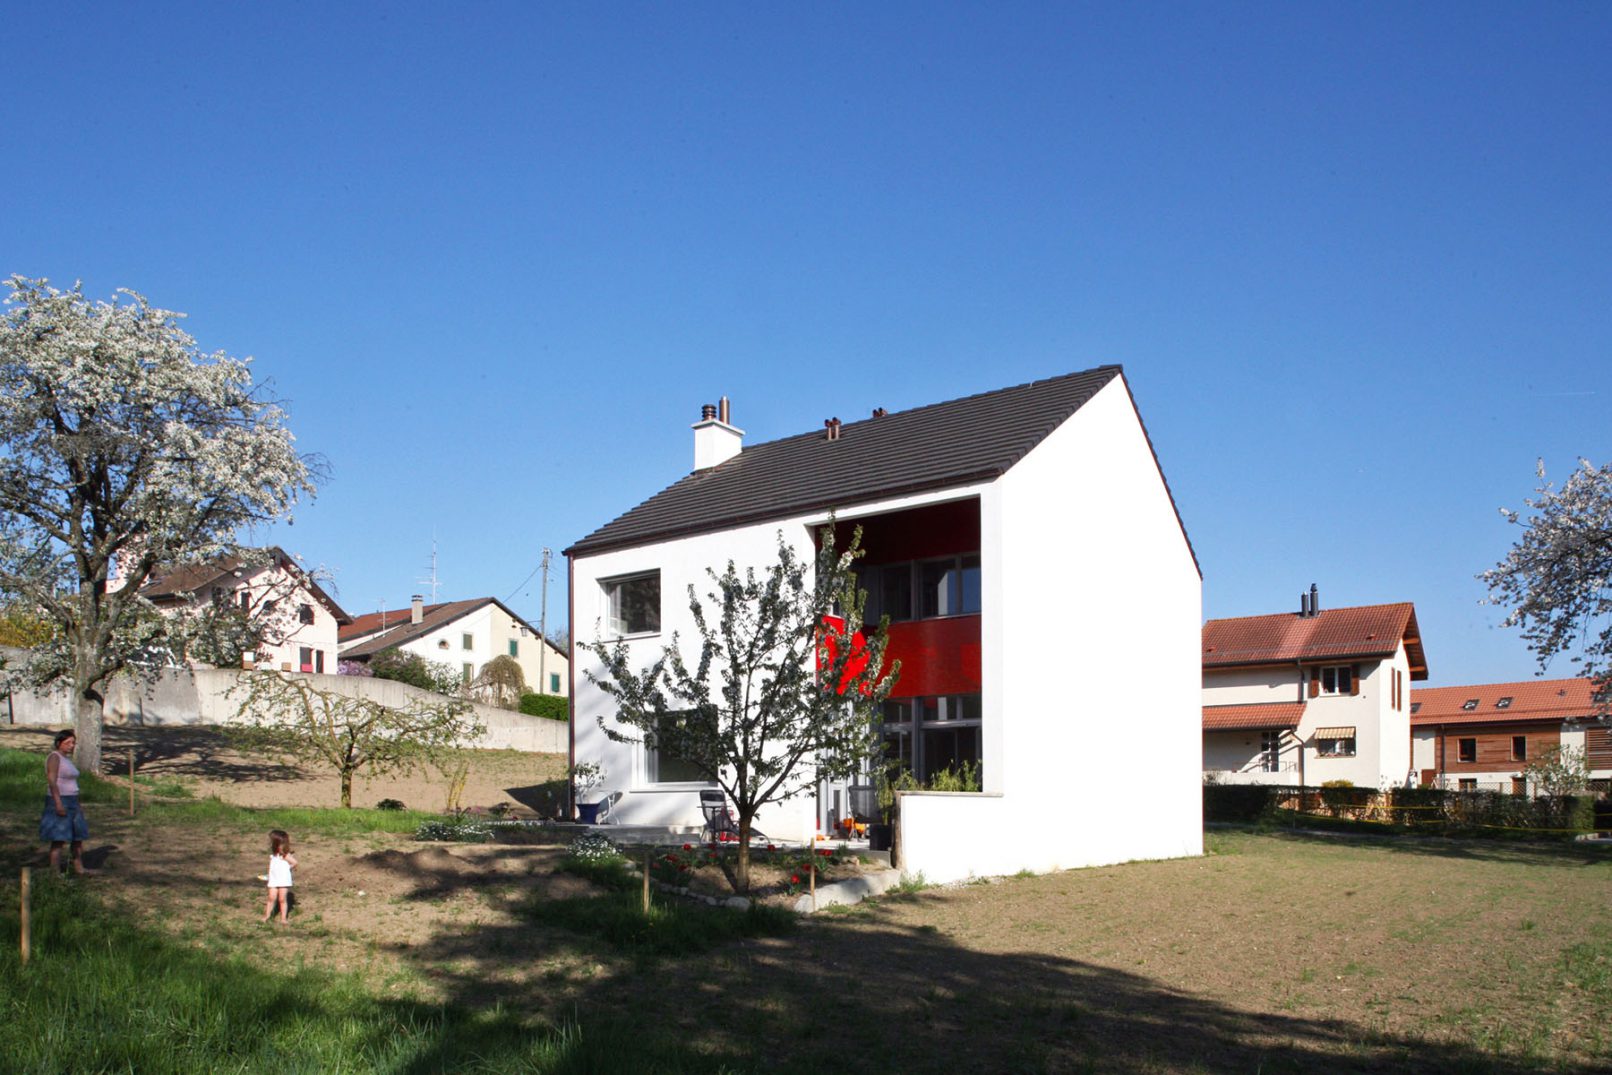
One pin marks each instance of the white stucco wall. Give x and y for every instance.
(681, 563)
(1252, 686)
(1090, 665)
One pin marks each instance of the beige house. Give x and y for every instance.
(299, 621)
(1311, 696)
(463, 634)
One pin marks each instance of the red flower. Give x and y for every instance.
(688, 847)
(794, 878)
(772, 847)
(826, 853)
(682, 866)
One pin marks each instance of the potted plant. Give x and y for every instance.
(882, 832)
(584, 777)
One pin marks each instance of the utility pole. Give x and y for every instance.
(543, 630)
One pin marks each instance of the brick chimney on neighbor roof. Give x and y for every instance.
(716, 440)
(416, 609)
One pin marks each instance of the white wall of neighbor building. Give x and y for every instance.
(1237, 753)
(490, 629)
(1252, 686)
(286, 633)
(1090, 666)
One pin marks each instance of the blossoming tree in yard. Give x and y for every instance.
(1557, 578)
(122, 448)
(780, 690)
(351, 734)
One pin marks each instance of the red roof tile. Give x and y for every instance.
(1551, 700)
(1221, 718)
(1332, 634)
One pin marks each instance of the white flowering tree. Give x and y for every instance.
(782, 687)
(349, 733)
(122, 447)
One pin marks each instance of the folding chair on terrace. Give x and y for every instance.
(720, 824)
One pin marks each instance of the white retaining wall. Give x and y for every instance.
(201, 696)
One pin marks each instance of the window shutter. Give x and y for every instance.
(1354, 679)
(1315, 682)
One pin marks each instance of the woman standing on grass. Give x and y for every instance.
(63, 820)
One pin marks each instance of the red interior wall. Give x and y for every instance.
(937, 656)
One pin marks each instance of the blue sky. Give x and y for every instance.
(1354, 258)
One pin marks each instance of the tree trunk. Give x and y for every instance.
(347, 789)
(87, 718)
(743, 872)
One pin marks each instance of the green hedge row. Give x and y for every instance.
(552, 706)
(1434, 809)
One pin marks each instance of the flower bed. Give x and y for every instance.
(777, 874)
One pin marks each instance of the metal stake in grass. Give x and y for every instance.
(131, 781)
(646, 882)
(27, 945)
(812, 881)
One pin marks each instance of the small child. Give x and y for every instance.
(281, 863)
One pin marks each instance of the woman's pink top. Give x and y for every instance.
(66, 776)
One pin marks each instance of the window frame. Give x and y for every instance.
(909, 733)
(1519, 748)
(1462, 755)
(1339, 751)
(1338, 673)
(610, 589)
(652, 775)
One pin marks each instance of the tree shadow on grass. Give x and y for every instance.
(188, 752)
(870, 992)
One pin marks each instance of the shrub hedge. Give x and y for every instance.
(1428, 809)
(552, 706)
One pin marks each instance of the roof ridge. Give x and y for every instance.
(1322, 612)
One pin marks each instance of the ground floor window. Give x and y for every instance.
(1469, 784)
(669, 753)
(927, 736)
(1270, 752)
(1335, 742)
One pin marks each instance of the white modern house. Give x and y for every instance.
(300, 621)
(1029, 555)
(462, 634)
(1311, 696)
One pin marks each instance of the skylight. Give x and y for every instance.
(1504, 703)
(1469, 704)
(1416, 707)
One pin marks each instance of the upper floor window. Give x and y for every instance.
(1466, 750)
(1519, 748)
(514, 647)
(554, 683)
(467, 641)
(1338, 679)
(304, 613)
(632, 604)
(923, 589)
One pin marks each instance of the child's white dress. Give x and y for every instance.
(279, 872)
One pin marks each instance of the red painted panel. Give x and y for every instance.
(937, 656)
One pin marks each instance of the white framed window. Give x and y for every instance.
(667, 753)
(1335, 742)
(1337, 679)
(467, 641)
(1270, 751)
(632, 604)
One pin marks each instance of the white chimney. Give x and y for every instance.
(715, 441)
(416, 609)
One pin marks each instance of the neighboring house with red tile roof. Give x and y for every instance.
(1311, 696)
(463, 634)
(1481, 736)
(299, 620)
(1029, 555)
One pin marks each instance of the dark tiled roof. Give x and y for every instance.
(175, 585)
(1223, 718)
(935, 447)
(1551, 700)
(1332, 634)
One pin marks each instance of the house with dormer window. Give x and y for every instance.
(1481, 737)
(1028, 554)
(1311, 696)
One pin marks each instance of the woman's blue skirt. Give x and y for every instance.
(57, 829)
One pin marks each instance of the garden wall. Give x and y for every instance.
(201, 696)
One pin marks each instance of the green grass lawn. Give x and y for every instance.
(1275, 952)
